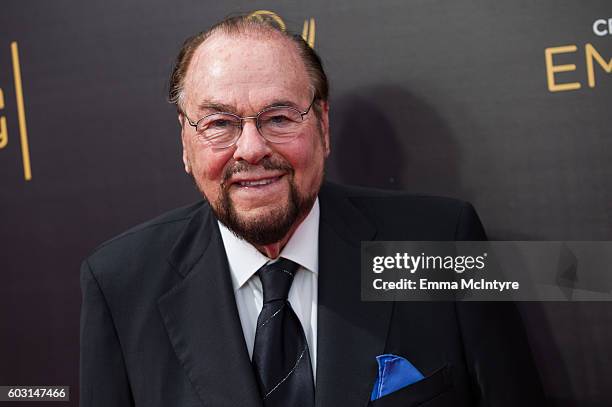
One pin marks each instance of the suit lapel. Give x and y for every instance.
(201, 318)
(350, 333)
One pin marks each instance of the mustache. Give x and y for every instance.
(267, 163)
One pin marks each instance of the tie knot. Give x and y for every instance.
(276, 279)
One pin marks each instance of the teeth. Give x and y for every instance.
(257, 183)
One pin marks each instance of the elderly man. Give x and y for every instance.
(252, 297)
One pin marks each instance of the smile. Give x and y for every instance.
(258, 182)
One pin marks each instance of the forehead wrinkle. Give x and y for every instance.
(244, 65)
(221, 52)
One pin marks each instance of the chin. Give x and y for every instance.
(255, 210)
(265, 224)
(261, 226)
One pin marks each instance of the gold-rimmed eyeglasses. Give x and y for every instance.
(276, 124)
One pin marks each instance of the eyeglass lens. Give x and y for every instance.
(277, 125)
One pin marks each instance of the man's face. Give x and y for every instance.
(258, 189)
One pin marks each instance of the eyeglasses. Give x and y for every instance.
(276, 124)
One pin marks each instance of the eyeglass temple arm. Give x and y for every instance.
(309, 107)
(189, 121)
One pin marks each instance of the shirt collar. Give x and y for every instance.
(303, 248)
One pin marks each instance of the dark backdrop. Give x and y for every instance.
(438, 97)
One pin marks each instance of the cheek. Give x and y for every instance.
(208, 166)
(210, 169)
(307, 158)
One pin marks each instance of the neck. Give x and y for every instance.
(273, 250)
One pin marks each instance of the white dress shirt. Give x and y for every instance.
(244, 261)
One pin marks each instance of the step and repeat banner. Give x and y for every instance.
(504, 104)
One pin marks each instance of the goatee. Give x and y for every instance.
(268, 228)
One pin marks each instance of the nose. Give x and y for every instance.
(251, 146)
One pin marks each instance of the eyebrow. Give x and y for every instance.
(219, 107)
(222, 107)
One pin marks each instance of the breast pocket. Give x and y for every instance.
(431, 388)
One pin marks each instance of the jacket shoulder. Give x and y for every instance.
(145, 239)
(385, 198)
(400, 215)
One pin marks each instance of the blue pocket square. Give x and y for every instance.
(394, 372)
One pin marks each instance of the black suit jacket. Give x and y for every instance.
(160, 326)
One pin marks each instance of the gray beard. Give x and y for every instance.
(273, 226)
(267, 229)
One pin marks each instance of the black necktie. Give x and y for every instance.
(280, 356)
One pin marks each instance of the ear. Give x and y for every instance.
(186, 163)
(325, 127)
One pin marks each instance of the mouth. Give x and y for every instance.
(256, 182)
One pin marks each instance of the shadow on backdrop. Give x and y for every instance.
(386, 137)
